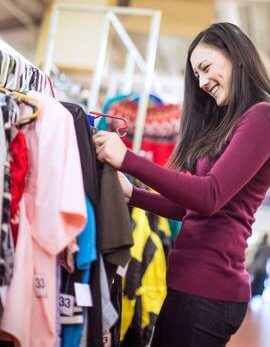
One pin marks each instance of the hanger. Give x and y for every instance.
(119, 128)
(28, 101)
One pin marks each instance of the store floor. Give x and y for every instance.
(255, 330)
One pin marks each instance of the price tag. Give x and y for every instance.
(83, 294)
(121, 271)
(107, 339)
(66, 304)
(40, 286)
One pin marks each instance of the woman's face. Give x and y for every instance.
(213, 68)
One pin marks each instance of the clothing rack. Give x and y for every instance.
(24, 76)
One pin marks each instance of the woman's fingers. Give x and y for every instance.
(109, 148)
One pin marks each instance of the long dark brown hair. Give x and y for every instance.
(205, 127)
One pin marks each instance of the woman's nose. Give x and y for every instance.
(203, 81)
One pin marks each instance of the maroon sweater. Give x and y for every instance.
(216, 205)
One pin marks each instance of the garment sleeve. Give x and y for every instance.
(156, 203)
(246, 153)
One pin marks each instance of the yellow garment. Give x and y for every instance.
(153, 285)
(128, 307)
(163, 225)
(153, 289)
(140, 234)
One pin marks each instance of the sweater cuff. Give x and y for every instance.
(129, 161)
(135, 197)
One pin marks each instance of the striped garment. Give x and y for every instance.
(10, 114)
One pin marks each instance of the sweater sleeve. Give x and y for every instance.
(246, 153)
(156, 203)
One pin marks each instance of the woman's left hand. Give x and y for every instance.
(110, 148)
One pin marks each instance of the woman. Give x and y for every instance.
(225, 144)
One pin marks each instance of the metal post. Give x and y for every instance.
(128, 74)
(150, 65)
(93, 95)
(130, 46)
(51, 40)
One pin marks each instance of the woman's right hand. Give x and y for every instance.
(126, 186)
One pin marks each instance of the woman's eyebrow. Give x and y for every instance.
(200, 65)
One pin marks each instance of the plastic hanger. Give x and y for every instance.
(118, 129)
(31, 102)
(28, 101)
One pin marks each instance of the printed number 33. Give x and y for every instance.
(64, 302)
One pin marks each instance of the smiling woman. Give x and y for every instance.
(225, 144)
(213, 68)
(224, 76)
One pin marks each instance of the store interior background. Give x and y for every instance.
(24, 25)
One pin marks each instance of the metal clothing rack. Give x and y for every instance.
(145, 64)
(6, 48)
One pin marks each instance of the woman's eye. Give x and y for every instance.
(206, 68)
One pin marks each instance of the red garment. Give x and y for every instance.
(18, 171)
(157, 151)
(161, 128)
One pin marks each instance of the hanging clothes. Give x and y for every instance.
(52, 214)
(18, 171)
(44, 211)
(161, 227)
(90, 179)
(10, 114)
(144, 284)
(73, 325)
(114, 237)
(15, 324)
(18, 75)
(3, 153)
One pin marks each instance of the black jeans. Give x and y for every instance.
(187, 320)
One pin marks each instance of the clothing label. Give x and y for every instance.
(40, 286)
(121, 271)
(83, 294)
(66, 304)
(65, 320)
(3, 294)
(107, 339)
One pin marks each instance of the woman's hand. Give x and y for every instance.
(127, 187)
(110, 148)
